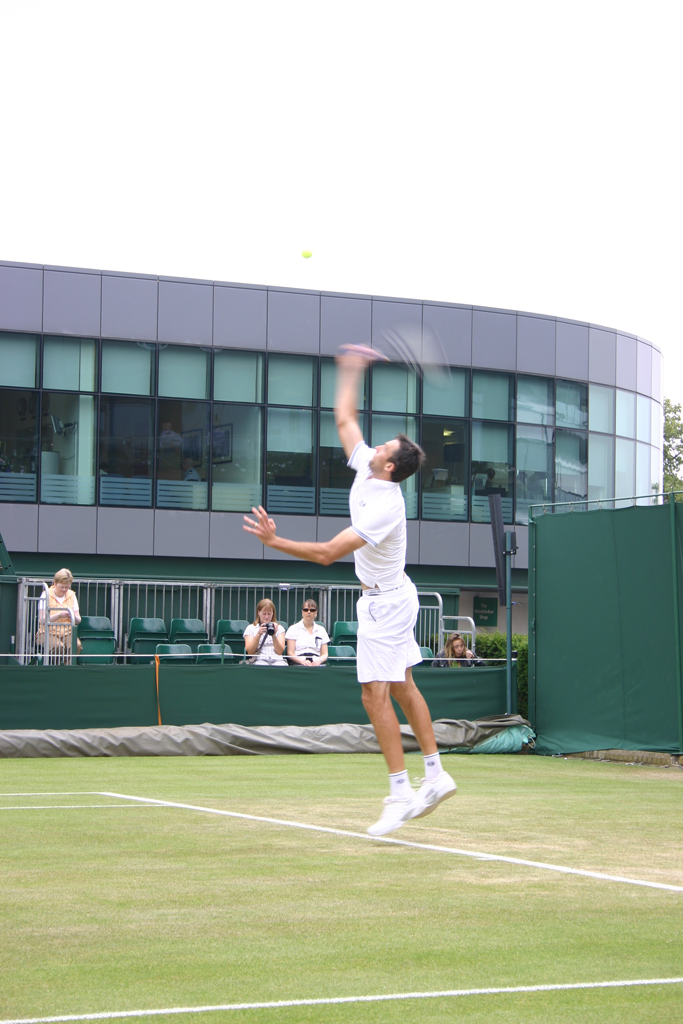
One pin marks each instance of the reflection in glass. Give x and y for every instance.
(571, 404)
(183, 372)
(492, 395)
(656, 482)
(535, 403)
(18, 445)
(128, 367)
(236, 458)
(643, 481)
(449, 400)
(238, 377)
(69, 364)
(643, 420)
(444, 474)
(534, 481)
(384, 428)
(626, 414)
(601, 408)
(67, 458)
(126, 443)
(394, 388)
(18, 360)
(289, 462)
(571, 465)
(600, 467)
(656, 430)
(291, 380)
(492, 469)
(335, 476)
(624, 470)
(182, 454)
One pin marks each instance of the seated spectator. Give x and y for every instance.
(60, 597)
(456, 655)
(264, 639)
(307, 640)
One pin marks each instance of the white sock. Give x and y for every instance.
(400, 785)
(432, 765)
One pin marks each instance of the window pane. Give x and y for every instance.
(643, 485)
(535, 400)
(624, 470)
(492, 469)
(601, 409)
(384, 428)
(236, 458)
(127, 367)
(291, 380)
(182, 454)
(571, 404)
(600, 467)
(643, 423)
(444, 474)
(571, 469)
(69, 364)
(534, 481)
(449, 400)
(238, 377)
(328, 380)
(626, 414)
(18, 360)
(67, 459)
(656, 434)
(183, 372)
(289, 462)
(335, 476)
(126, 445)
(656, 470)
(491, 395)
(18, 445)
(394, 388)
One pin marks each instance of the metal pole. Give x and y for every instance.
(508, 618)
(677, 623)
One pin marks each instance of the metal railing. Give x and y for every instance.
(598, 504)
(42, 638)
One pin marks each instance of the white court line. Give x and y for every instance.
(71, 807)
(80, 792)
(404, 842)
(347, 999)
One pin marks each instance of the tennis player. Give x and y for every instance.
(388, 607)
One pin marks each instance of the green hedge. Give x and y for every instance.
(492, 645)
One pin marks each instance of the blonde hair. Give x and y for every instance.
(64, 576)
(265, 603)
(449, 649)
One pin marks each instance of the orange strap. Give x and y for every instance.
(156, 659)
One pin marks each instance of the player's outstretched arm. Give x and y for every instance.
(351, 365)
(322, 552)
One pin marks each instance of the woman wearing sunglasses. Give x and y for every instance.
(307, 640)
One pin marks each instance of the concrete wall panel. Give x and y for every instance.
(240, 317)
(71, 303)
(344, 321)
(19, 526)
(21, 299)
(181, 534)
(571, 351)
(481, 545)
(535, 345)
(453, 325)
(329, 527)
(293, 528)
(627, 352)
(129, 308)
(67, 529)
(644, 368)
(293, 322)
(602, 356)
(125, 531)
(185, 313)
(444, 543)
(227, 539)
(494, 340)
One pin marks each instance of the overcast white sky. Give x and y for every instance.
(519, 154)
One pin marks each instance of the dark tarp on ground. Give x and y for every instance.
(604, 650)
(111, 696)
(203, 740)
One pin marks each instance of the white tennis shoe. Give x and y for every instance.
(396, 812)
(432, 792)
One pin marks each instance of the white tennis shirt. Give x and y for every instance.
(378, 515)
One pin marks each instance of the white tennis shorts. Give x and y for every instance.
(386, 638)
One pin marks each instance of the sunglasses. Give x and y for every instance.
(309, 609)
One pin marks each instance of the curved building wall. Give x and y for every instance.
(143, 415)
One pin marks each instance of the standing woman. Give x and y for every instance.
(60, 596)
(264, 639)
(307, 640)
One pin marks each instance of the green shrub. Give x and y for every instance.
(492, 645)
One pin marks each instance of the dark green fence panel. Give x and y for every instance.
(605, 630)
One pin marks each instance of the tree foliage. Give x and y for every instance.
(673, 447)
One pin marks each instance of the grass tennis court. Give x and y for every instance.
(137, 906)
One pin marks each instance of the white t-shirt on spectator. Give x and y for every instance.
(267, 650)
(307, 643)
(378, 515)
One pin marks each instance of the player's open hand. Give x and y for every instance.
(262, 527)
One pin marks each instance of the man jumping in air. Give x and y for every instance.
(388, 607)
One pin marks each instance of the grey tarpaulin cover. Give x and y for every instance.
(201, 740)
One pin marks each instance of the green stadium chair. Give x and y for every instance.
(175, 654)
(213, 654)
(188, 631)
(345, 633)
(143, 637)
(95, 625)
(232, 631)
(343, 654)
(426, 652)
(97, 638)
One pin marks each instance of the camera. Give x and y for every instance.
(270, 629)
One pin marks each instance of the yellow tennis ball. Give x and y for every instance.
(307, 254)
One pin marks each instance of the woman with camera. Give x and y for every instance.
(264, 639)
